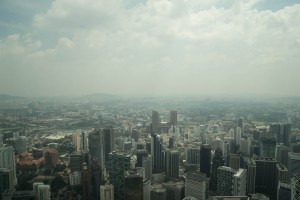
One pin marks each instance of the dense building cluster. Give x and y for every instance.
(135, 151)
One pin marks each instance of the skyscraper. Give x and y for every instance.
(7, 160)
(193, 155)
(265, 180)
(251, 174)
(155, 122)
(95, 144)
(281, 132)
(234, 161)
(6, 180)
(107, 192)
(172, 164)
(217, 162)
(116, 165)
(205, 159)
(147, 165)
(51, 158)
(157, 152)
(225, 181)
(108, 141)
(173, 117)
(293, 163)
(196, 185)
(133, 185)
(240, 182)
(139, 157)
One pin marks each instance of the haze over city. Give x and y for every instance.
(154, 47)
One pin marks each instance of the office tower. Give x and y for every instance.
(293, 163)
(147, 165)
(251, 175)
(172, 164)
(155, 122)
(281, 132)
(6, 180)
(75, 178)
(245, 146)
(139, 157)
(238, 135)
(158, 193)
(173, 117)
(193, 155)
(240, 123)
(135, 135)
(295, 182)
(107, 192)
(268, 147)
(109, 141)
(157, 152)
(95, 144)
(285, 191)
(84, 142)
(171, 143)
(20, 144)
(35, 187)
(234, 162)
(281, 174)
(281, 154)
(51, 158)
(43, 192)
(133, 185)
(116, 165)
(225, 181)
(86, 182)
(265, 180)
(75, 161)
(240, 182)
(234, 147)
(7, 160)
(175, 190)
(76, 141)
(205, 159)
(217, 162)
(196, 185)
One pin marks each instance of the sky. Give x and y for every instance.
(150, 47)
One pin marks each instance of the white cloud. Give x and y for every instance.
(157, 47)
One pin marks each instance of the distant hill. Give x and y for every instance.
(5, 97)
(100, 97)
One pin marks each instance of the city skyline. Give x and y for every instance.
(71, 48)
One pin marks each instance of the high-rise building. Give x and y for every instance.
(95, 144)
(281, 132)
(155, 122)
(217, 162)
(240, 182)
(225, 181)
(173, 117)
(116, 165)
(43, 192)
(205, 159)
(158, 193)
(268, 147)
(238, 135)
(147, 165)
(265, 180)
(295, 182)
(285, 191)
(133, 185)
(139, 157)
(75, 178)
(86, 182)
(175, 190)
(281, 174)
(251, 175)
(146, 189)
(7, 160)
(281, 154)
(240, 123)
(51, 158)
(196, 185)
(108, 141)
(158, 154)
(234, 161)
(172, 164)
(75, 161)
(193, 155)
(76, 141)
(293, 163)
(107, 192)
(6, 180)
(20, 144)
(84, 142)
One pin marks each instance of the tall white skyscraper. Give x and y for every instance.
(238, 135)
(7, 160)
(240, 182)
(43, 192)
